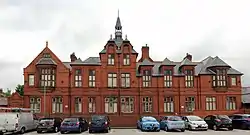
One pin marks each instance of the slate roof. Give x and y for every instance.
(117, 51)
(166, 61)
(46, 61)
(187, 62)
(88, 61)
(146, 62)
(200, 67)
(218, 62)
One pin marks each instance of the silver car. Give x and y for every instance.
(195, 123)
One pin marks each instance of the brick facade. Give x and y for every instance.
(72, 91)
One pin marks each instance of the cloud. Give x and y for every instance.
(170, 28)
(11, 74)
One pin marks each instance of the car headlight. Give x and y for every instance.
(193, 123)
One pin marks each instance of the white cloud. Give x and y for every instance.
(170, 27)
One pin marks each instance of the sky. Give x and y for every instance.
(171, 28)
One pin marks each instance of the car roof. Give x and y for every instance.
(242, 114)
(150, 117)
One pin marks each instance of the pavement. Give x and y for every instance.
(138, 132)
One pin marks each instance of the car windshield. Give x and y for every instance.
(151, 119)
(70, 120)
(194, 118)
(246, 116)
(95, 118)
(174, 118)
(46, 119)
(223, 117)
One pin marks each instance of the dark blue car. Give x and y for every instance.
(99, 123)
(241, 121)
(73, 125)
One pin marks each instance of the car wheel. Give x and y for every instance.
(39, 131)
(166, 128)
(106, 131)
(215, 128)
(244, 126)
(90, 131)
(189, 128)
(22, 130)
(56, 129)
(183, 130)
(80, 130)
(231, 128)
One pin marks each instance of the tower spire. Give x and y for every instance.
(118, 27)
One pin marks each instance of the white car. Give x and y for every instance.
(195, 123)
(17, 122)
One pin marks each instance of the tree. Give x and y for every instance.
(19, 89)
(7, 93)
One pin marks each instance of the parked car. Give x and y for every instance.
(168, 123)
(17, 122)
(216, 122)
(241, 121)
(99, 123)
(148, 123)
(194, 123)
(73, 125)
(49, 125)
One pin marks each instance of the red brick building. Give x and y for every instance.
(118, 85)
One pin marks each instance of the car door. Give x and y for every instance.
(236, 121)
(208, 120)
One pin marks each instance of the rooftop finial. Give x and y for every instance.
(146, 45)
(126, 37)
(110, 36)
(47, 43)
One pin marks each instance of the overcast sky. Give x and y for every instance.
(171, 28)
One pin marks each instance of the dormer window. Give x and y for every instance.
(146, 78)
(189, 78)
(168, 78)
(111, 59)
(219, 80)
(126, 59)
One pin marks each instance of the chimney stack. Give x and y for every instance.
(145, 52)
(73, 57)
(188, 56)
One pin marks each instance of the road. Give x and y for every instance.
(137, 132)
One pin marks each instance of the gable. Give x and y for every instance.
(40, 56)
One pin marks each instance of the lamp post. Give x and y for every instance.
(44, 98)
